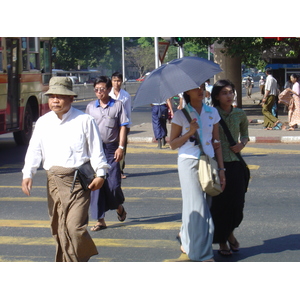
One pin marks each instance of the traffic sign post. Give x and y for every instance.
(162, 50)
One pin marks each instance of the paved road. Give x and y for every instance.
(269, 232)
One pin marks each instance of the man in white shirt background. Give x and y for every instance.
(120, 94)
(270, 121)
(64, 139)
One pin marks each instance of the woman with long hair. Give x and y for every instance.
(196, 233)
(294, 106)
(227, 208)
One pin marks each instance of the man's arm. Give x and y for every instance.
(26, 186)
(122, 138)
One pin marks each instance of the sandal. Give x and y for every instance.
(234, 246)
(225, 252)
(277, 126)
(122, 216)
(179, 240)
(98, 227)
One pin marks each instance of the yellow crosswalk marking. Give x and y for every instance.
(42, 199)
(151, 166)
(131, 243)
(39, 199)
(157, 188)
(125, 225)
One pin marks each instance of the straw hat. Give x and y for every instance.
(60, 86)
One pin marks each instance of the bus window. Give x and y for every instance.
(24, 53)
(1, 63)
(33, 53)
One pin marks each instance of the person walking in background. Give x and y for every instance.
(270, 121)
(181, 101)
(120, 94)
(64, 139)
(261, 85)
(159, 121)
(208, 89)
(196, 233)
(248, 86)
(227, 207)
(111, 119)
(294, 107)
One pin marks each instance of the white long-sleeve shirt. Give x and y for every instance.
(126, 99)
(68, 143)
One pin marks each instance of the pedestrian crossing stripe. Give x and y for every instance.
(156, 188)
(126, 225)
(44, 199)
(99, 242)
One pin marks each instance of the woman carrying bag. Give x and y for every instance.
(294, 105)
(227, 208)
(196, 233)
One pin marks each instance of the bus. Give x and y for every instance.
(25, 72)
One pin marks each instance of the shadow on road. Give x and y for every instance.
(277, 245)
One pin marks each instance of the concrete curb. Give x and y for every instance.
(253, 139)
(274, 139)
(140, 139)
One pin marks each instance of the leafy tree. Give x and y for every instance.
(83, 52)
(251, 49)
(140, 57)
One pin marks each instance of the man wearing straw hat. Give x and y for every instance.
(64, 139)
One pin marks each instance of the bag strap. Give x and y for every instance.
(187, 115)
(230, 139)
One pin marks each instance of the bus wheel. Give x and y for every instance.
(22, 137)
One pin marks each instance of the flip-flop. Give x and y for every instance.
(225, 252)
(98, 227)
(277, 126)
(234, 246)
(179, 240)
(122, 216)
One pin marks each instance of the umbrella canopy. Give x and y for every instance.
(177, 76)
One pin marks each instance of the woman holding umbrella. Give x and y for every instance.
(196, 233)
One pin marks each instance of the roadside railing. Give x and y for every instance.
(86, 91)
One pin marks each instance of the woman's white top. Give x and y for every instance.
(206, 120)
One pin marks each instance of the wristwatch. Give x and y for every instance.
(103, 177)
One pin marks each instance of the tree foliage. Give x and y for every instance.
(105, 53)
(140, 57)
(251, 49)
(83, 52)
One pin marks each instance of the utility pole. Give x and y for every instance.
(156, 50)
(123, 60)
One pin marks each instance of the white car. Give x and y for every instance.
(74, 79)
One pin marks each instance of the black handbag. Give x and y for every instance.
(232, 143)
(86, 174)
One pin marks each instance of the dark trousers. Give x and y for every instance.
(227, 208)
(110, 196)
(159, 121)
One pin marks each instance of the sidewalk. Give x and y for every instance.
(143, 133)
